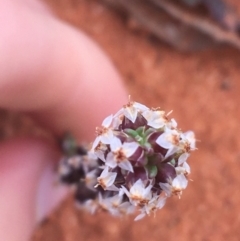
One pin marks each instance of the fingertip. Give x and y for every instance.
(56, 72)
(23, 165)
(96, 90)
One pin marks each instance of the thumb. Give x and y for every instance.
(27, 187)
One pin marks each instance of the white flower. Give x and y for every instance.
(107, 179)
(126, 208)
(175, 186)
(131, 110)
(111, 204)
(155, 118)
(188, 141)
(98, 149)
(152, 206)
(167, 188)
(105, 133)
(190, 136)
(170, 140)
(172, 123)
(91, 179)
(178, 184)
(138, 194)
(183, 169)
(120, 153)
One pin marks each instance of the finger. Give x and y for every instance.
(26, 187)
(51, 69)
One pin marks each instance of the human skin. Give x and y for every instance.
(61, 78)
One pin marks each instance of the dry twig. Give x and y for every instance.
(201, 24)
(179, 28)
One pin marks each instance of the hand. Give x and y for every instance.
(63, 80)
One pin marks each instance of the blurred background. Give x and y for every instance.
(184, 56)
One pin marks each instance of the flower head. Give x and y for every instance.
(139, 159)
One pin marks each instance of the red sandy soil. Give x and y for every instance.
(203, 90)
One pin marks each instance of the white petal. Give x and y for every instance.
(180, 182)
(112, 188)
(116, 200)
(162, 141)
(110, 160)
(91, 178)
(186, 167)
(161, 202)
(119, 113)
(140, 107)
(107, 137)
(90, 205)
(91, 158)
(190, 136)
(171, 151)
(126, 208)
(137, 187)
(117, 121)
(147, 115)
(166, 188)
(183, 158)
(107, 121)
(131, 113)
(124, 189)
(126, 165)
(147, 191)
(130, 148)
(173, 123)
(115, 144)
(104, 172)
(100, 155)
(95, 143)
(121, 192)
(111, 178)
(107, 177)
(155, 118)
(140, 216)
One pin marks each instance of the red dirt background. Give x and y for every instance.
(203, 90)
